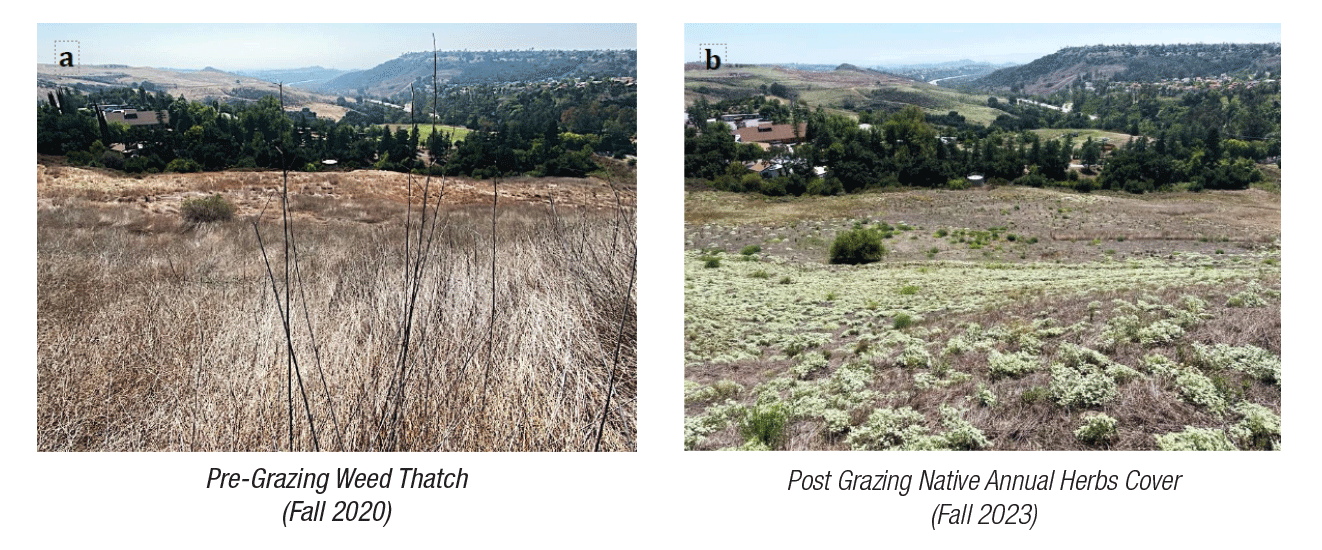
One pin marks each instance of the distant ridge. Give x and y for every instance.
(308, 78)
(475, 67)
(1131, 63)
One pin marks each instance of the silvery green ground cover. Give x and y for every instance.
(997, 320)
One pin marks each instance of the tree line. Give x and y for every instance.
(538, 131)
(1184, 142)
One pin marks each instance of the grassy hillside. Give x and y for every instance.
(847, 90)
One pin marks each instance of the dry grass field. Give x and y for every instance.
(153, 334)
(1002, 318)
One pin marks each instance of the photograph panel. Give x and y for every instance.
(298, 238)
(982, 237)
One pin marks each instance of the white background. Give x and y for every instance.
(662, 496)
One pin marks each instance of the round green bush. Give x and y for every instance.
(859, 246)
(183, 165)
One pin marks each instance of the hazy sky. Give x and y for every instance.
(922, 43)
(283, 46)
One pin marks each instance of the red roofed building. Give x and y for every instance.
(772, 134)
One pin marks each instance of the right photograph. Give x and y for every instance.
(982, 237)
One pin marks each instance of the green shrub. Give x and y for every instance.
(1077, 356)
(908, 290)
(1246, 298)
(183, 165)
(751, 249)
(1199, 390)
(1196, 439)
(765, 424)
(1011, 365)
(760, 274)
(960, 433)
(1163, 331)
(713, 419)
(887, 429)
(711, 263)
(209, 209)
(836, 420)
(902, 321)
(1086, 388)
(1248, 359)
(858, 246)
(985, 396)
(1259, 429)
(1032, 180)
(718, 391)
(915, 355)
(809, 364)
(1096, 429)
(1033, 395)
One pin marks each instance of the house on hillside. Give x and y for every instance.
(772, 134)
(134, 117)
(767, 170)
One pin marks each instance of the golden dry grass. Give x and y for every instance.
(154, 336)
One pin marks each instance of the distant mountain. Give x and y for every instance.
(205, 84)
(946, 72)
(807, 66)
(855, 68)
(465, 67)
(1130, 63)
(308, 78)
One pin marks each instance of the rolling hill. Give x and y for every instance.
(1132, 63)
(206, 84)
(848, 88)
(464, 67)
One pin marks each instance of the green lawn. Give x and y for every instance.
(1083, 134)
(458, 133)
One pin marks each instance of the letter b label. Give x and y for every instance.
(713, 61)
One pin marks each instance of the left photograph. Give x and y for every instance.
(336, 237)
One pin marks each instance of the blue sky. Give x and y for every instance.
(339, 46)
(923, 43)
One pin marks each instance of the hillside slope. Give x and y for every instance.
(1134, 64)
(463, 67)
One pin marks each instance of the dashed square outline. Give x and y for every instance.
(725, 52)
(77, 56)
